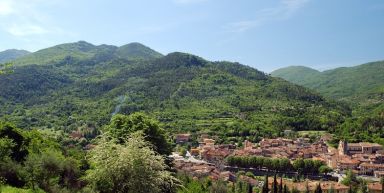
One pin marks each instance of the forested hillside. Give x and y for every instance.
(361, 87)
(80, 85)
(355, 84)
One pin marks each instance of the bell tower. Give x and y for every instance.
(343, 147)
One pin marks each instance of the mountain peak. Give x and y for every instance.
(176, 59)
(12, 54)
(137, 50)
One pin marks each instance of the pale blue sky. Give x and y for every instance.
(265, 34)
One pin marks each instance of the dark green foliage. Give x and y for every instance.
(307, 166)
(350, 179)
(325, 169)
(37, 161)
(122, 126)
(19, 151)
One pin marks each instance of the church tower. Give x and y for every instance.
(343, 147)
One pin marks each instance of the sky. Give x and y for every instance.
(264, 34)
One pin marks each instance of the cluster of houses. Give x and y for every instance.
(285, 148)
(362, 158)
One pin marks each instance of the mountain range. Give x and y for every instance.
(75, 85)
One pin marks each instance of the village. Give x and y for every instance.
(365, 160)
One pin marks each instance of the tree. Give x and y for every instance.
(129, 166)
(325, 169)
(250, 188)
(16, 137)
(265, 186)
(122, 126)
(285, 189)
(307, 187)
(239, 187)
(274, 185)
(350, 179)
(332, 189)
(318, 189)
(6, 68)
(363, 186)
(382, 184)
(350, 189)
(298, 165)
(281, 185)
(44, 169)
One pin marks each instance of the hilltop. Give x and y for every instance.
(12, 54)
(362, 84)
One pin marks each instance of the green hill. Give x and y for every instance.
(86, 53)
(361, 87)
(9, 55)
(137, 51)
(73, 85)
(295, 74)
(362, 84)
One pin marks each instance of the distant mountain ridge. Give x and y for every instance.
(12, 54)
(83, 50)
(362, 84)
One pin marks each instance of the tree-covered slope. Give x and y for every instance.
(86, 53)
(12, 54)
(137, 51)
(362, 87)
(363, 83)
(185, 92)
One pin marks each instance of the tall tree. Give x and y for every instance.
(250, 188)
(285, 189)
(265, 186)
(122, 126)
(274, 185)
(281, 185)
(129, 167)
(318, 189)
(382, 184)
(332, 189)
(307, 187)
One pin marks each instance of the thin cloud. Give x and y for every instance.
(5, 8)
(22, 18)
(284, 10)
(26, 30)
